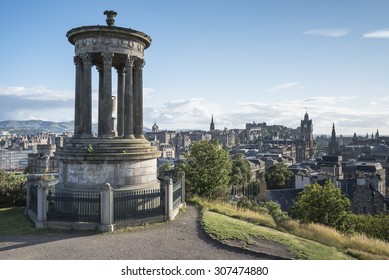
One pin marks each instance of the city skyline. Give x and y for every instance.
(242, 61)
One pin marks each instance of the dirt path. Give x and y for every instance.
(181, 239)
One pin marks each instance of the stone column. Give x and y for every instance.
(86, 98)
(106, 127)
(120, 101)
(138, 98)
(100, 101)
(128, 99)
(78, 98)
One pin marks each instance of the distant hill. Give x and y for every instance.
(35, 126)
(32, 127)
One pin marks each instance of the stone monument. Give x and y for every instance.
(119, 155)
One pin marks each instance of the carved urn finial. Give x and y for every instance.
(110, 17)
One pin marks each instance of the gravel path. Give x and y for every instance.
(181, 239)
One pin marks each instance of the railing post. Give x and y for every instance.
(106, 223)
(42, 192)
(181, 178)
(28, 197)
(168, 199)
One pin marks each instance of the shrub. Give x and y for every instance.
(376, 226)
(12, 189)
(276, 212)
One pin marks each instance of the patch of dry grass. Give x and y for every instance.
(228, 209)
(357, 245)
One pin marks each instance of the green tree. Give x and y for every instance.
(241, 171)
(252, 188)
(324, 205)
(207, 170)
(277, 176)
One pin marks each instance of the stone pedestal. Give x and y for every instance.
(89, 164)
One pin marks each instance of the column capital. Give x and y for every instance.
(77, 60)
(129, 61)
(139, 63)
(120, 70)
(107, 57)
(86, 58)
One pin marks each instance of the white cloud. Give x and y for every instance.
(21, 103)
(147, 92)
(381, 33)
(291, 85)
(323, 110)
(328, 32)
(36, 93)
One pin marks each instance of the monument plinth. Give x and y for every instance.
(118, 155)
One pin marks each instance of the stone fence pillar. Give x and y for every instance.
(168, 184)
(42, 205)
(106, 223)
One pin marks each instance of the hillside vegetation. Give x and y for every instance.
(225, 221)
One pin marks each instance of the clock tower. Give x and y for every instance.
(305, 147)
(306, 129)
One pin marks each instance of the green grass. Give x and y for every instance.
(226, 228)
(13, 221)
(356, 246)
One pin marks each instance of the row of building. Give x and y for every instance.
(360, 168)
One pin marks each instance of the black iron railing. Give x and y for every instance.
(74, 207)
(132, 205)
(177, 194)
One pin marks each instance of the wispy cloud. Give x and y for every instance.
(36, 93)
(285, 86)
(328, 32)
(195, 113)
(381, 33)
(324, 110)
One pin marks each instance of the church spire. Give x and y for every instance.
(212, 125)
(333, 146)
(333, 133)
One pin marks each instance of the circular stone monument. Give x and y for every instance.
(119, 154)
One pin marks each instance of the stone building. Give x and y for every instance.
(364, 197)
(43, 160)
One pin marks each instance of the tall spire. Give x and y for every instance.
(212, 125)
(333, 133)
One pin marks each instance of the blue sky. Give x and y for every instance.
(242, 61)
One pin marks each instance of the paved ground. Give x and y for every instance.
(181, 239)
